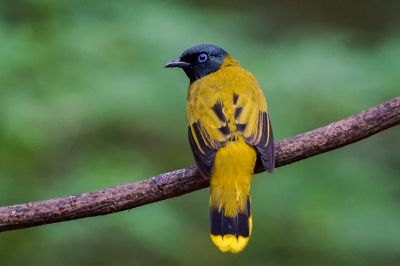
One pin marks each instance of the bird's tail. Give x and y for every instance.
(231, 220)
(230, 215)
(230, 232)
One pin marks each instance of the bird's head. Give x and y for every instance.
(199, 61)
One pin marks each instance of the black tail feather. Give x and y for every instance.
(238, 225)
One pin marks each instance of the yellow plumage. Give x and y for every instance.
(229, 130)
(230, 188)
(233, 88)
(230, 181)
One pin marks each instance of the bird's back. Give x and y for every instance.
(225, 117)
(239, 94)
(229, 129)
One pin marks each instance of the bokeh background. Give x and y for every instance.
(85, 104)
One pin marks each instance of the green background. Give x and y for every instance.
(85, 104)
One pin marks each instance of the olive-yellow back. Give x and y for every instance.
(229, 128)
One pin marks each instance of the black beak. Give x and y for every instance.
(177, 63)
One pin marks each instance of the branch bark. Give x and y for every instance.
(179, 182)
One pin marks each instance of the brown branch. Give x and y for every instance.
(179, 182)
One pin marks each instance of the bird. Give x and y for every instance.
(229, 131)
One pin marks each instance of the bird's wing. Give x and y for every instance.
(208, 131)
(253, 123)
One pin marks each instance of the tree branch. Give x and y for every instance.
(179, 182)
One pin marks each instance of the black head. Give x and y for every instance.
(200, 60)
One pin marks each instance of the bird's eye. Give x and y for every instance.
(202, 58)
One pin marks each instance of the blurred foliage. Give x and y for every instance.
(366, 19)
(86, 104)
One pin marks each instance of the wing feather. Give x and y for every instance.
(246, 115)
(206, 135)
(254, 125)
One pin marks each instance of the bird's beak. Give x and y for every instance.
(177, 63)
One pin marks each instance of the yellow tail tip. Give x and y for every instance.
(230, 243)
